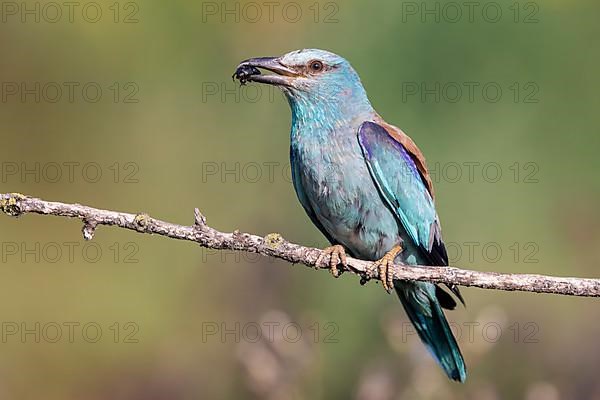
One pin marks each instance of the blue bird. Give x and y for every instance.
(365, 185)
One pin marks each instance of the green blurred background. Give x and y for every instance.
(153, 318)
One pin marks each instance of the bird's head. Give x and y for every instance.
(309, 78)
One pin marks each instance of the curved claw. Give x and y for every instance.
(337, 255)
(384, 271)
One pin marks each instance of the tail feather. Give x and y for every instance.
(423, 309)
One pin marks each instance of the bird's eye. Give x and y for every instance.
(315, 66)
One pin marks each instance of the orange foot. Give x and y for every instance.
(383, 268)
(337, 255)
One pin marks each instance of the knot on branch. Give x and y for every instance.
(141, 222)
(11, 204)
(89, 229)
(243, 240)
(273, 240)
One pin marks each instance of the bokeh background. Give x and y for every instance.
(130, 106)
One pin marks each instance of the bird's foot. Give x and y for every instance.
(337, 255)
(382, 267)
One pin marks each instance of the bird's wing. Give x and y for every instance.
(399, 181)
(399, 172)
(412, 149)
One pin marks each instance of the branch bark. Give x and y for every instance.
(273, 245)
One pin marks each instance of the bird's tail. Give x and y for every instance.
(426, 314)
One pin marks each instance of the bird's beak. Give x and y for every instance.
(246, 71)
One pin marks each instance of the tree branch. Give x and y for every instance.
(273, 245)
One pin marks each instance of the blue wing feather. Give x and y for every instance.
(403, 187)
(400, 183)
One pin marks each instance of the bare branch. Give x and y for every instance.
(273, 245)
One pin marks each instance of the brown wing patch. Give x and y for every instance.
(412, 149)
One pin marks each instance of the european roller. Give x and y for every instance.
(364, 184)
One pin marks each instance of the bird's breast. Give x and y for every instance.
(331, 172)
